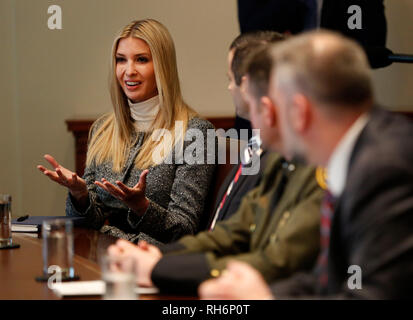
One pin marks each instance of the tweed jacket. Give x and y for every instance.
(276, 230)
(176, 194)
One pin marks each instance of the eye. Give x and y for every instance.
(142, 59)
(120, 59)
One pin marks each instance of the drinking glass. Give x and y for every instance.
(5, 221)
(118, 273)
(58, 247)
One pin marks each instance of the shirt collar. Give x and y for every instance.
(339, 161)
(252, 148)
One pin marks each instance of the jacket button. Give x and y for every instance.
(284, 218)
(214, 273)
(252, 227)
(273, 238)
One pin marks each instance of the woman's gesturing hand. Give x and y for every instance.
(65, 177)
(134, 197)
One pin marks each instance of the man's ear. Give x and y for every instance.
(243, 83)
(268, 111)
(300, 112)
(243, 86)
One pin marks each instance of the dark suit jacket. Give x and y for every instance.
(278, 15)
(372, 225)
(292, 15)
(372, 36)
(335, 16)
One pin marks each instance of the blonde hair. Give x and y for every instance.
(111, 141)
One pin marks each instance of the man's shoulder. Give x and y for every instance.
(276, 163)
(383, 150)
(386, 140)
(389, 123)
(298, 177)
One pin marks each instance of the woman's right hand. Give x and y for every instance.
(66, 178)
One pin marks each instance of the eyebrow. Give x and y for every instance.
(136, 55)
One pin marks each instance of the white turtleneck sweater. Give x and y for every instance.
(144, 113)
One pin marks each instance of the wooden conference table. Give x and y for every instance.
(19, 267)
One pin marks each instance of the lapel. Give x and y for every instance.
(338, 255)
(224, 187)
(277, 200)
(237, 187)
(241, 183)
(130, 163)
(363, 139)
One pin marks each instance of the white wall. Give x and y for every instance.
(48, 76)
(10, 177)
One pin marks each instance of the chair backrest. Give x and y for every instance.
(227, 147)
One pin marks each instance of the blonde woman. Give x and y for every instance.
(138, 195)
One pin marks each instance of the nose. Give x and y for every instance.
(130, 68)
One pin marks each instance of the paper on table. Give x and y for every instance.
(91, 288)
(79, 288)
(24, 228)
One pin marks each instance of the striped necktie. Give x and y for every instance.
(327, 210)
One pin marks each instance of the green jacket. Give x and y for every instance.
(276, 230)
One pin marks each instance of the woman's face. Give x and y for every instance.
(134, 69)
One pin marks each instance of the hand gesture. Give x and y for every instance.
(146, 256)
(133, 197)
(65, 177)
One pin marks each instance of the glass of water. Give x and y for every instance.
(5, 220)
(118, 273)
(58, 248)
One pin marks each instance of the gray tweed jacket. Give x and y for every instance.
(176, 192)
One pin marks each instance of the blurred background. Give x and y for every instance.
(49, 76)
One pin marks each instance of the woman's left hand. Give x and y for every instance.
(134, 197)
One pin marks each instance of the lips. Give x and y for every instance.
(131, 85)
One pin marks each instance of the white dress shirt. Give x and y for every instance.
(339, 161)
